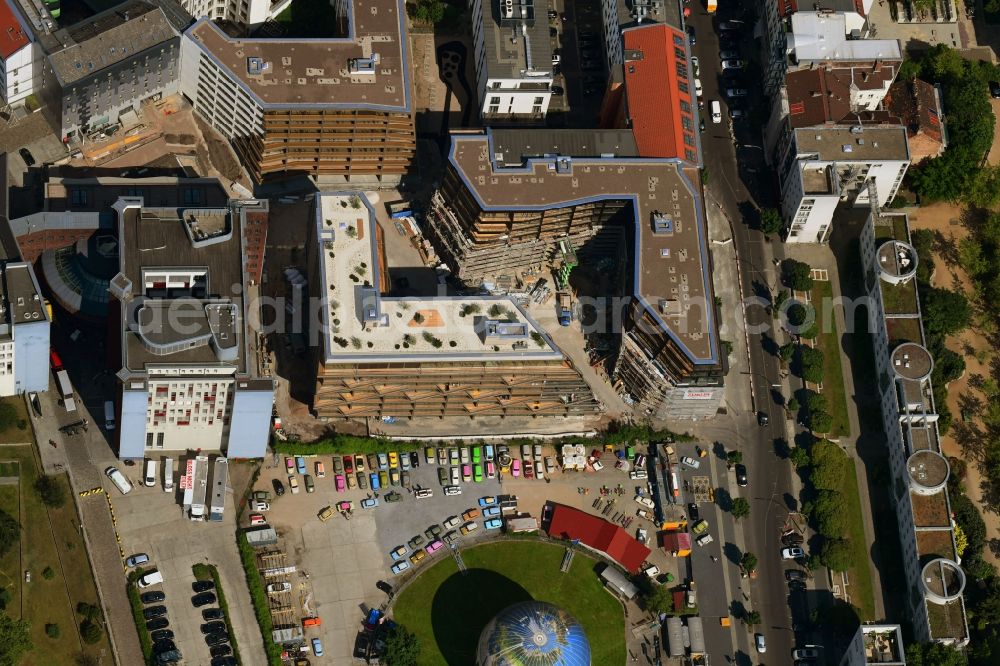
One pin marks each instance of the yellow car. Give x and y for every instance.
(393, 459)
(326, 514)
(418, 556)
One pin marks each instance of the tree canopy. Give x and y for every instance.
(10, 532)
(402, 648)
(933, 654)
(797, 275)
(14, 640)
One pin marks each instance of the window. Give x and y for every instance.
(685, 107)
(494, 100)
(539, 100)
(679, 52)
(687, 124)
(494, 109)
(78, 197)
(192, 195)
(536, 109)
(683, 87)
(678, 40)
(682, 70)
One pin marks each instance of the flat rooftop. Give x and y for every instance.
(517, 45)
(367, 69)
(186, 304)
(883, 644)
(364, 325)
(823, 36)
(630, 10)
(512, 146)
(21, 298)
(816, 178)
(109, 38)
(671, 267)
(853, 143)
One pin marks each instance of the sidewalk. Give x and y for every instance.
(821, 256)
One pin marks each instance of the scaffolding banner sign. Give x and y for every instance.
(188, 475)
(691, 394)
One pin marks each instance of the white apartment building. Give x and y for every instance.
(935, 580)
(24, 331)
(513, 57)
(872, 644)
(19, 71)
(244, 12)
(190, 373)
(217, 96)
(826, 166)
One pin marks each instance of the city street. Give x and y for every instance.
(734, 160)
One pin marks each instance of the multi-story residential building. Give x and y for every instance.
(880, 644)
(617, 15)
(18, 53)
(824, 166)
(191, 375)
(111, 63)
(242, 12)
(513, 58)
(777, 14)
(918, 106)
(338, 109)
(935, 580)
(24, 331)
(511, 199)
(411, 357)
(827, 77)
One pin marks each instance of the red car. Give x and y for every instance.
(529, 469)
(349, 464)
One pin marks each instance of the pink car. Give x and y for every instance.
(340, 483)
(515, 467)
(434, 546)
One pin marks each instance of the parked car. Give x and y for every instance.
(369, 503)
(158, 623)
(339, 482)
(489, 500)
(443, 476)
(310, 485)
(348, 464)
(995, 89)
(393, 459)
(213, 627)
(293, 484)
(398, 552)
(691, 35)
(212, 614)
(557, 91)
(400, 566)
(300, 464)
(414, 459)
(154, 611)
(453, 455)
(136, 560)
(290, 464)
(792, 553)
(736, 92)
(217, 638)
(277, 588)
(279, 487)
(161, 635)
(732, 64)
(220, 651)
(761, 644)
(741, 475)
(404, 460)
(203, 585)
(442, 456)
(698, 89)
(794, 574)
(469, 527)
(696, 65)
(726, 54)
(693, 512)
(805, 653)
(383, 461)
(493, 524)
(452, 522)
(29, 159)
(452, 490)
(693, 463)
(456, 476)
(152, 597)
(362, 481)
(317, 646)
(375, 478)
(203, 599)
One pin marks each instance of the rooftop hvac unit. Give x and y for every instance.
(507, 9)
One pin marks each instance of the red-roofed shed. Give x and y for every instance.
(659, 92)
(597, 533)
(12, 35)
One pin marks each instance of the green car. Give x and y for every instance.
(383, 479)
(443, 475)
(433, 532)
(393, 496)
(477, 472)
(476, 454)
(310, 486)
(416, 542)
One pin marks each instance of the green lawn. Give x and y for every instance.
(447, 610)
(49, 539)
(833, 374)
(860, 575)
(15, 434)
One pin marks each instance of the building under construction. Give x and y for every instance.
(337, 108)
(511, 200)
(409, 357)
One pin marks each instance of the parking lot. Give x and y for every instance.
(340, 561)
(152, 521)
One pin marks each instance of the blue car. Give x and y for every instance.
(300, 464)
(491, 511)
(487, 501)
(373, 477)
(489, 452)
(317, 647)
(493, 524)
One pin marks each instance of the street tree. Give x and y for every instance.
(836, 554)
(770, 221)
(751, 618)
(810, 364)
(748, 562)
(740, 508)
(797, 275)
(934, 654)
(402, 648)
(10, 532)
(50, 491)
(656, 598)
(734, 457)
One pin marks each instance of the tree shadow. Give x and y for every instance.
(781, 448)
(724, 499)
(458, 617)
(731, 552)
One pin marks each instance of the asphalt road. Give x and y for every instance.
(738, 181)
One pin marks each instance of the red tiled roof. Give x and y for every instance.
(652, 90)
(599, 534)
(12, 37)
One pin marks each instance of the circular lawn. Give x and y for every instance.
(447, 609)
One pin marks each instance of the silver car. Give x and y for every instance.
(732, 64)
(736, 92)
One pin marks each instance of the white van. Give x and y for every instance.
(109, 415)
(152, 578)
(119, 480)
(168, 474)
(149, 479)
(716, 112)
